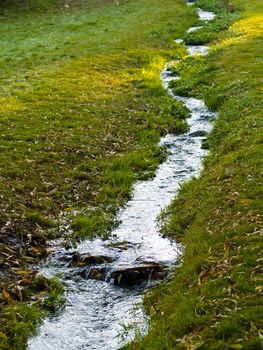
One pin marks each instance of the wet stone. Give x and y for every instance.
(131, 276)
(121, 245)
(97, 274)
(64, 257)
(87, 259)
(198, 133)
(93, 273)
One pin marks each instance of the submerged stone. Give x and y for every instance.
(122, 245)
(87, 259)
(198, 133)
(93, 273)
(131, 276)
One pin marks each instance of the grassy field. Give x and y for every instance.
(81, 112)
(214, 300)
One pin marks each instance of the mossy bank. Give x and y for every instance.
(82, 111)
(214, 300)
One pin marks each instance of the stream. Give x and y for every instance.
(105, 279)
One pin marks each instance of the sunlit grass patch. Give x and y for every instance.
(226, 42)
(250, 27)
(242, 30)
(9, 104)
(151, 74)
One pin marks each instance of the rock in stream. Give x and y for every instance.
(130, 276)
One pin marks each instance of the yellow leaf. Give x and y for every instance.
(6, 295)
(245, 200)
(22, 272)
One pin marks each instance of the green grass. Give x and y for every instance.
(82, 110)
(23, 307)
(214, 300)
(65, 111)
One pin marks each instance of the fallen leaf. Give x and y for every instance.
(245, 200)
(6, 295)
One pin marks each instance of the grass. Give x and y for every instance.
(82, 111)
(65, 112)
(22, 311)
(214, 300)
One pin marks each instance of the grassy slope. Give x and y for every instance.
(82, 109)
(214, 300)
(65, 112)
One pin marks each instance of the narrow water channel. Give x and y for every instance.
(98, 305)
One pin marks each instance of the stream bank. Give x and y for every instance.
(214, 300)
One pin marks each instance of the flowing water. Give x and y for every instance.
(97, 312)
